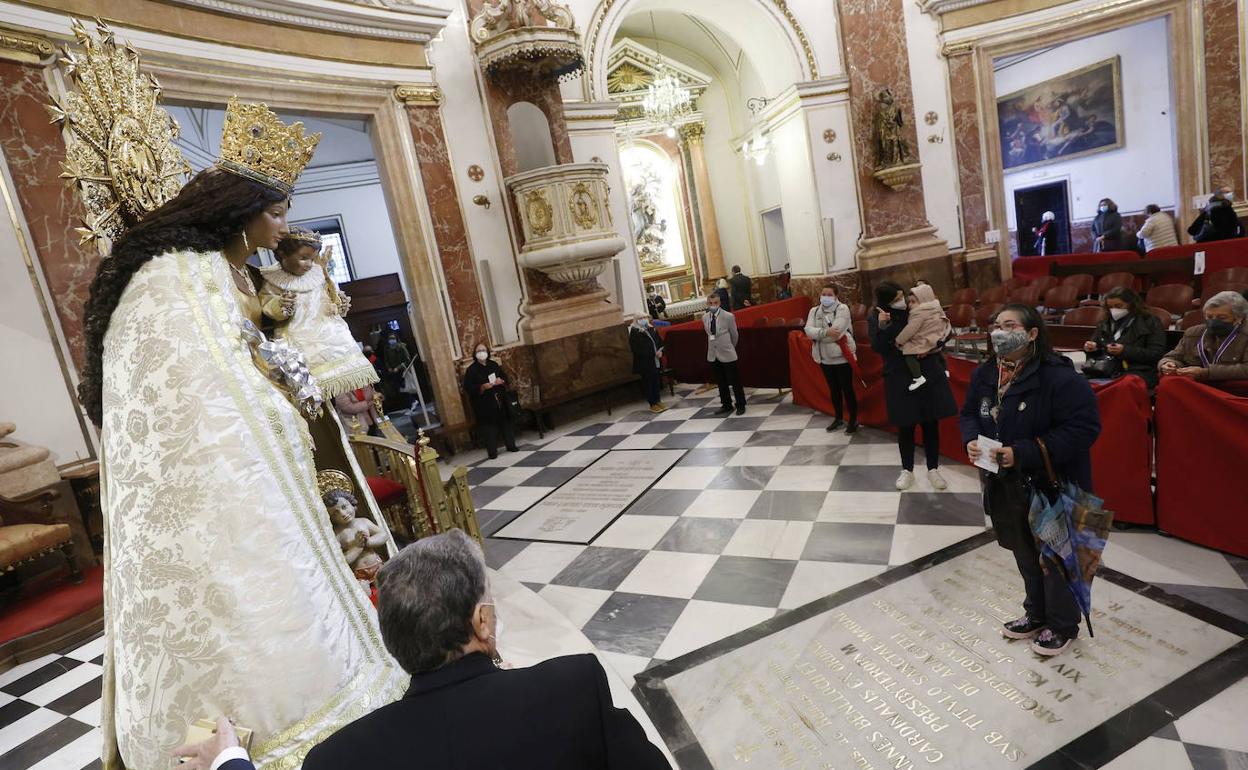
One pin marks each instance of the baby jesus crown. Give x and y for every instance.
(256, 145)
(304, 237)
(334, 481)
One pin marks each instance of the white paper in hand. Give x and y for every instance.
(988, 448)
(493, 378)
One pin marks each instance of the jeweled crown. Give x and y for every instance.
(257, 145)
(304, 237)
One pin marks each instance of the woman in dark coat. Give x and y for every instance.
(909, 408)
(1026, 393)
(644, 341)
(1129, 335)
(1107, 227)
(489, 401)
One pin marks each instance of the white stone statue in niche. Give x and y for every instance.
(649, 232)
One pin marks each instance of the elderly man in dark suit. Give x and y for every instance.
(721, 352)
(463, 710)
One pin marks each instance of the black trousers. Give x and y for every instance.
(931, 444)
(651, 386)
(728, 376)
(840, 379)
(1048, 597)
(488, 434)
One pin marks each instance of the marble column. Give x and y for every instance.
(714, 251)
(896, 232)
(1224, 113)
(451, 235)
(982, 266)
(34, 151)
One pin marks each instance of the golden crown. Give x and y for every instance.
(257, 145)
(334, 481)
(304, 237)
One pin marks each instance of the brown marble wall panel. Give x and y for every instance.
(848, 286)
(448, 224)
(937, 271)
(874, 35)
(506, 91)
(540, 288)
(968, 149)
(983, 274)
(34, 151)
(1223, 100)
(582, 361)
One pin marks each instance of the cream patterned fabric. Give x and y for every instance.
(225, 591)
(333, 356)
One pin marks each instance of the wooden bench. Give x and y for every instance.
(544, 406)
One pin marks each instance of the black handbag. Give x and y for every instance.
(1102, 368)
(1007, 499)
(511, 401)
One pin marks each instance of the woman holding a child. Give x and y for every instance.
(911, 405)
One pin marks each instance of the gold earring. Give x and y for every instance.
(246, 245)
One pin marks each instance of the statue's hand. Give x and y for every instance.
(288, 303)
(344, 303)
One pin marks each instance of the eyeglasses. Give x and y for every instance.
(1007, 326)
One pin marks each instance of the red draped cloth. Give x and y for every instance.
(1121, 457)
(761, 350)
(1202, 481)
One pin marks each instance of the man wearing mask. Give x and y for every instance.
(721, 352)
(1217, 221)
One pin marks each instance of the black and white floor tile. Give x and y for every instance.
(765, 512)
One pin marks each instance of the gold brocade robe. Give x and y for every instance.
(225, 589)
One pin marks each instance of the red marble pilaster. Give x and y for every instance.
(874, 35)
(1223, 100)
(34, 151)
(968, 149)
(448, 224)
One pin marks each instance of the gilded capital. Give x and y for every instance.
(418, 95)
(951, 50)
(693, 132)
(24, 47)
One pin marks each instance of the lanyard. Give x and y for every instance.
(1204, 359)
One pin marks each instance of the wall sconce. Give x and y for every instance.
(937, 138)
(481, 200)
(834, 156)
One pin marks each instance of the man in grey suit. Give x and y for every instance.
(721, 352)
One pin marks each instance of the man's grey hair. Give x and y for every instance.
(1232, 299)
(426, 595)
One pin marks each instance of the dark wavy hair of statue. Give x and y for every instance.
(213, 207)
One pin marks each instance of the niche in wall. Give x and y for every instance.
(530, 135)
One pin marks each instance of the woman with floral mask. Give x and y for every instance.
(485, 382)
(1021, 396)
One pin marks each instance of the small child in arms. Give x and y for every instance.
(927, 327)
(299, 295)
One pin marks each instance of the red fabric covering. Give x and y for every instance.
(761, 349)
(55, 605)
(1202, 486)
(372, 595)
(1219, 255)
(385, 490)
(1036, 267)
(1121, 457)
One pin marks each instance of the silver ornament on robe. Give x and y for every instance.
(282, 363)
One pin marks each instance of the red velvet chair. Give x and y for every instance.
(1059, 299)
(985, 314)
(860, 332)
(1191, 318)
(1028, 295)
(1082, 316)
(1175, 297)
(994, 296)
(1084, 283)
(1017, 282)
(1044, 283)
(1163, 315)
(857, 312)
(965, 297)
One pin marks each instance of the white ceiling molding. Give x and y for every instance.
(938, 8)
(410, 22)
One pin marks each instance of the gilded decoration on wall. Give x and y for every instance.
(1069, 116)
(508, 39)
(476, 173)
(583, 207)
(541, 215)
(628, 77)
(124, 166)
(829, 136)
(632, 70)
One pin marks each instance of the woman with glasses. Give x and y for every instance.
(1024, 394)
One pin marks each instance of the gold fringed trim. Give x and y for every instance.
(352, 379)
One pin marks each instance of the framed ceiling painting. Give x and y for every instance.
(1068, 116)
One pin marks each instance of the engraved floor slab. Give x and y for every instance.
(915, 673)
(582, 508)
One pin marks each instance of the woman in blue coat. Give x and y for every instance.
(1023, 393)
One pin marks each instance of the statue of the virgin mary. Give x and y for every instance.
(226, 592)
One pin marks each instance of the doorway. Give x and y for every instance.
(1030, 203)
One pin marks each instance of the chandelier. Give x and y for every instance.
(666, 100)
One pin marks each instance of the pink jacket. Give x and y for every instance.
(927, 325)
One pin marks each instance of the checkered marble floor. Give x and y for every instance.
(764, 513)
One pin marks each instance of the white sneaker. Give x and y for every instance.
(937, 481)
(918, 383)
(905, 480)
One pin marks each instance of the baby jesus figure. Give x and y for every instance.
(359, 538)
(307, 306)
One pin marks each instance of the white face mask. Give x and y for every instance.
(1104, 209)
(482, 355)
(899, 305)
(1118, 313)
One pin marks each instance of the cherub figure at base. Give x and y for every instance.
(308, 309)
(361, 540)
